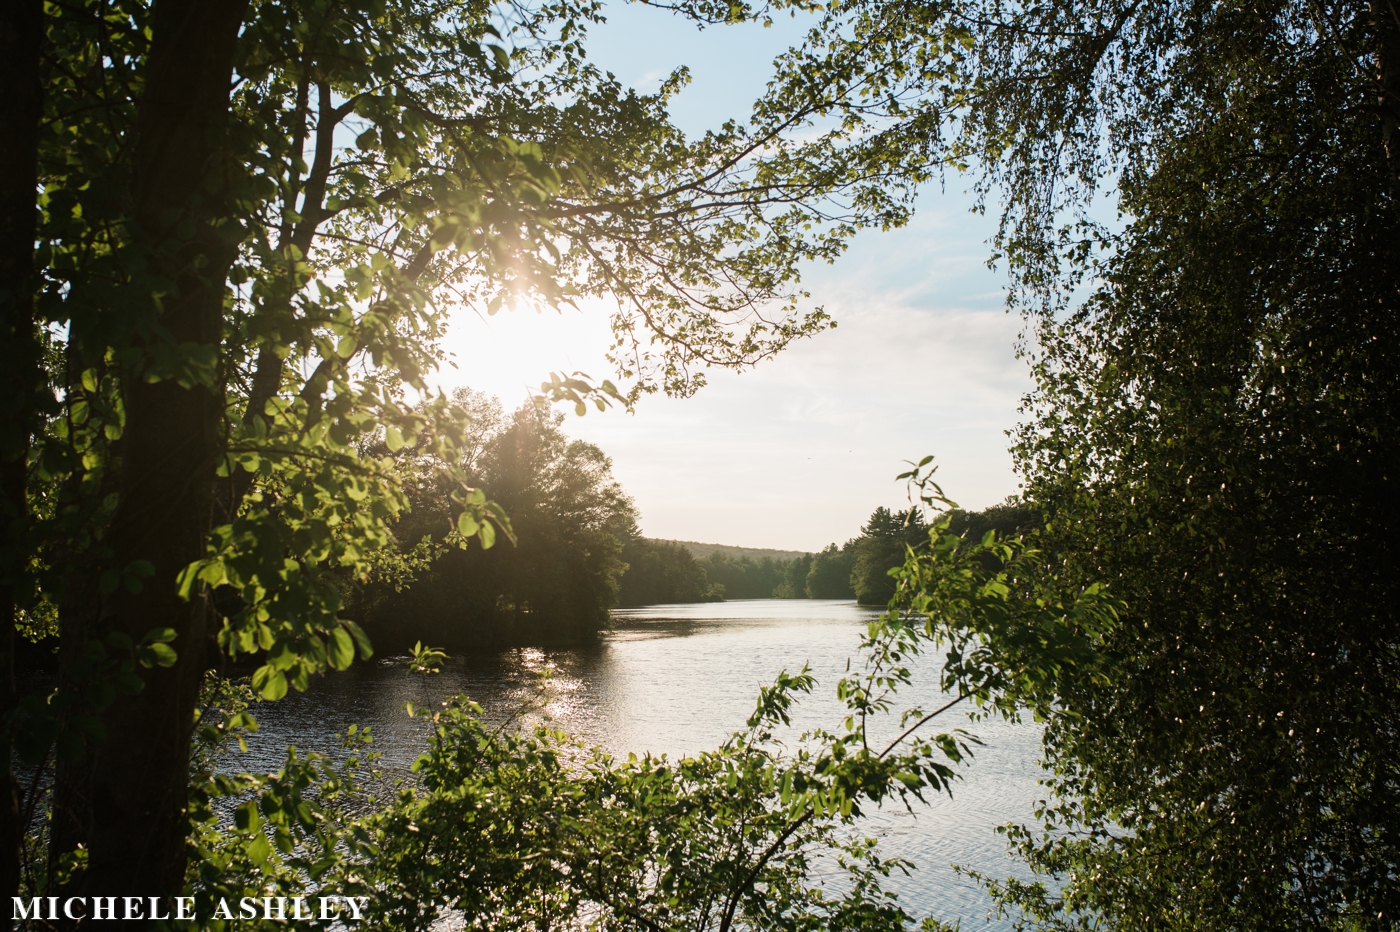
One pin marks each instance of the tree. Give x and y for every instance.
(880, 548)
(21, 35)
(1012, 518)
(571, 520)
(1210, 439)
(829, 576)
(794, 584)
(1211, 428)
(660, 572)
(743, 578)
(243, 298)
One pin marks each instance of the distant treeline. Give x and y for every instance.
(578, 551)
(662, 572)
(701, 551)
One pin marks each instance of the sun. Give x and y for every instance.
(510, 353)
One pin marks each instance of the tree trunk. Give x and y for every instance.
(21, 33)
(1385, 15)
(169, 450)
(70, 810)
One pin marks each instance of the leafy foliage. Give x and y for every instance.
(743, 577)
(248, 307)
(426, 659)
(489, 167)
(665, 571)
(829, 575)
(254, 220)
(880, 548)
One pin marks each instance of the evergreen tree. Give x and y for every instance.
(881, 547)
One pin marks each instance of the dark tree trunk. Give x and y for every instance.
(21, 33)
(137, 793)
(1385, 15)
(79, 608)
(70, 811)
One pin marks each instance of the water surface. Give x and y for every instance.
(678, 679)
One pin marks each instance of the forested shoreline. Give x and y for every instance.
(578, 552)
(664, 571)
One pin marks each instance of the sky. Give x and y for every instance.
(795, 453)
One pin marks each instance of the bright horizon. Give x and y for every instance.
(797, 452)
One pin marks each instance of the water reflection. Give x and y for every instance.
(679, 679)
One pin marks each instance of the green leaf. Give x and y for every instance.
(259, 849)
(247, 818)
(361, 639)
(185, 582)
(128, 682)
(340, 649)
(158, 654)
(270, 683)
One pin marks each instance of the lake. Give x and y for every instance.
(678, 679)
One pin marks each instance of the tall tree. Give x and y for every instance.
(881, 547)
(660, 572)
(794, 584)
(571, 520)
(245, 296)
(743, 578)
(829, 576)
(1212, 428)
(21, 37)
(179, 194)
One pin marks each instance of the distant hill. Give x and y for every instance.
(701, 551)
